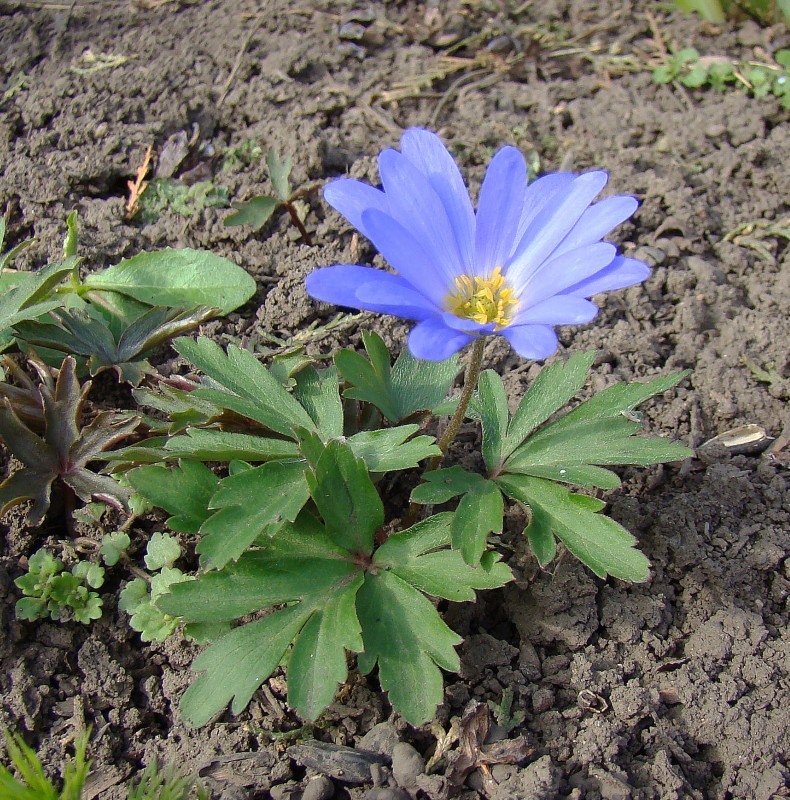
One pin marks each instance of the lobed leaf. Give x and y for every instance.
(419, 556)
(479, 513)
(442, 485)
(410, 387)
(250, 503)
(349, 504)
(184, 491)
(598, 541)
(247, 387)
(387, 449)
(239, 662)
(403, 633)
(318, 662)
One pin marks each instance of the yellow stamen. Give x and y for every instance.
(483, 300)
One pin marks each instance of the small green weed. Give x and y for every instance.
(167, 194)
(758, 79)
(717, 11)
(51, 590)
(31, 783)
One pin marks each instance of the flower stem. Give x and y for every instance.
(471, 376)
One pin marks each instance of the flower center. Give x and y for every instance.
(483, 300)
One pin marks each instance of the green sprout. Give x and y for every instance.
(257, 211)
(31, 783)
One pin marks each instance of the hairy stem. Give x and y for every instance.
(471, 376)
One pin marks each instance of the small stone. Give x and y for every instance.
(284, 791)
(380, 739)
(407, 764)
(542, 700)
(319, 788)
(383, 793)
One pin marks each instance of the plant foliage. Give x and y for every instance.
(64, 451)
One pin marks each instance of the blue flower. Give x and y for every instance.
(526, 261)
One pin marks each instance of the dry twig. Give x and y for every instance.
(138, 185)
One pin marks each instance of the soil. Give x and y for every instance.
(673, 689)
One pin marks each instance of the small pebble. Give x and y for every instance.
(407, 764)
(380, 739)
(319, 788)
(542, 700)
(382, 793)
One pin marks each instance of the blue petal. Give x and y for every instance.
(566, 270)
(425, 150)
(406, 255)
(370, 289)
(499, 209)
(553, 223)
(532, 341)
(620, 273)
(539, 194)
(353, 198)
(432, 340)
(558, 310)
(415, 204)
(598, 220)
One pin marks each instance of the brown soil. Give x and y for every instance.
(674, 689)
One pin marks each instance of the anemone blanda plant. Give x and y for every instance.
(527, 260)
(294, 522)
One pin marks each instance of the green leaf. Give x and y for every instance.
(551, 390)
(162, 551)
(256, 212)
(419, 556)
(71, 242)
(411, 386)
(317, 663)
(442, 485)
(279, 170)
(584, 475)
(238, 663)
(185, 278)
(150, 622)
(596, 433)
(782, 57)
(598, 541)
(479, 513)
(113, 546)
(31, 298)
(300, 561)
(386, 449)
(346, 498)
(319, 394)
(183, 491)
(248, 388)
(251, 503)
(404, 634)
(540, 537)
(494, 417)
(207, 444)
(606, 441)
